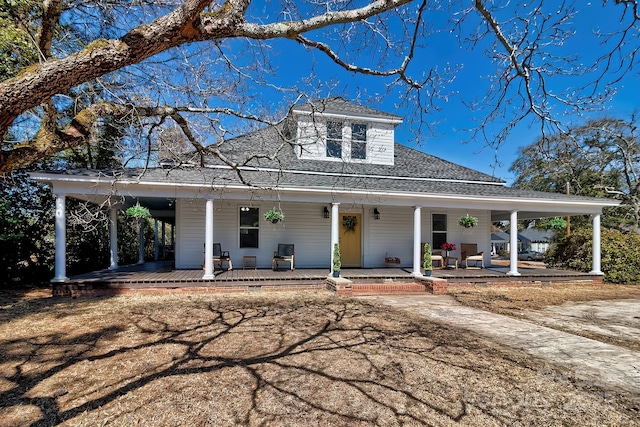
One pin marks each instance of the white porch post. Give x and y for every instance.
(140, 241)
(208, 241)
(417, 235)
(113, 237)
(61, 240)
(156, 246)
(164, 242)
(513, 243)
(596, 245)
(335, 228)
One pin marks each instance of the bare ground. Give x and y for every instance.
(261, 360)
(607, 313)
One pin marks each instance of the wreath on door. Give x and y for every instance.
(349, 222)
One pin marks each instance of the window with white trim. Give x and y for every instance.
(438, 230)
(249, 227)
(359, 141)
(334, 139)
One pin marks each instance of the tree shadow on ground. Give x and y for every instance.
(269, 361)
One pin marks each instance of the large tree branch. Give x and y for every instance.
(185, 24)
(49, 140)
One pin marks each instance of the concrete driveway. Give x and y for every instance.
(586, 360)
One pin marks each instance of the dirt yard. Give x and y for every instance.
(280, 359)
(607, 313)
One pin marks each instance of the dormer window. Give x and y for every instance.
(334, 139)
(359, 141)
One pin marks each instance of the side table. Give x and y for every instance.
(249, 261)
(447, 263)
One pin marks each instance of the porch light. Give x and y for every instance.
(244, 209)
(325, 212)
(376, 213)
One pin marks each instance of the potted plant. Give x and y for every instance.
(427, 261)
(273, 215)
(336, 260)
(137, 211)
(468, 221)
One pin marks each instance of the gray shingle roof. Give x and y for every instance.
(337, 105)
(209, 177)
(408, 162)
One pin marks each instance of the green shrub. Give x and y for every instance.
(620, 254)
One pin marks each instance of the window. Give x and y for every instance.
(358, 141)
(249, 227)
(439, 230)
(334, 139)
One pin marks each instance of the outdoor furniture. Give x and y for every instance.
(283, 254)
(249, 261)
(469, 252)
(220, 256)
(448, 260)
(436, 256)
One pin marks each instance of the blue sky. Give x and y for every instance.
(450, 139)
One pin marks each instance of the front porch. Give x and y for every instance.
(162, 277)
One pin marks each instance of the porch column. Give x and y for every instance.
(156, 246)
(208, 241)
(113, 237)
(417, 234)
(596, 245)
(513, 243)
(61, 240)
(140, 241)
(164, 242)
(335, 229)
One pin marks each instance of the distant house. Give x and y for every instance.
(535, 240)
(336, 172)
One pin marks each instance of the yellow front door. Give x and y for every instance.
(350, 240)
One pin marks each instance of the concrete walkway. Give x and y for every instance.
(590, 361)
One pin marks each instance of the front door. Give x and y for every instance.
(350, 240)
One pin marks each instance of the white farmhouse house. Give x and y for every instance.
(335, 171)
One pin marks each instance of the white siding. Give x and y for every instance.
(305, 227)
(391, 235)
(480, 234)
(189, 250)
(380, 141)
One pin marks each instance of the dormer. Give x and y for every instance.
(333, 129)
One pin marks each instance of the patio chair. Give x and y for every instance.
(220, 256)
(284, 253)
(469, 252)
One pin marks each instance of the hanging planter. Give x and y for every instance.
(139, 212)
(273, 215)
(468, 221)
(350, 222)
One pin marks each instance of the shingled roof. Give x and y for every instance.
(337, 105)
(408, 162)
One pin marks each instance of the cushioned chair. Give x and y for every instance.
(220, 256)
(284, 253)
(469, 253)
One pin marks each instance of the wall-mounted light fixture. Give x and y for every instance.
(325, 212)
(244, 209)
(376, 213)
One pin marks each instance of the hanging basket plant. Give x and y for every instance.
(468, 221)
(137, 211)
(273, 215)
(350, 222)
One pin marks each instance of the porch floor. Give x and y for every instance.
(162, 275)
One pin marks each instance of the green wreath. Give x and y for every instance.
(350, 222)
